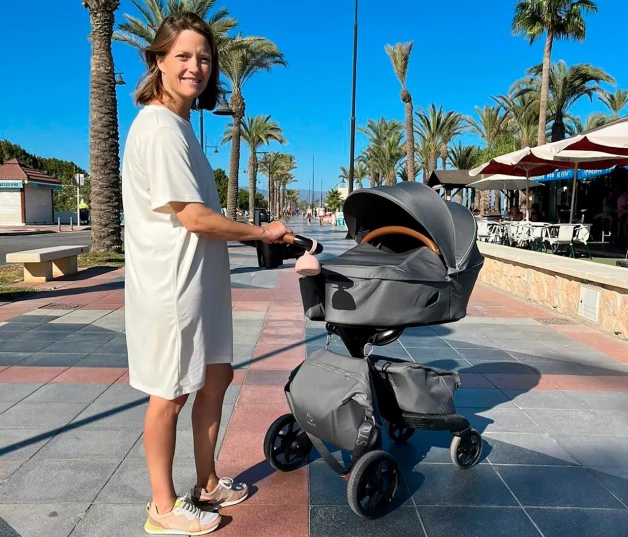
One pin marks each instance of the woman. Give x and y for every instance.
(178, 293)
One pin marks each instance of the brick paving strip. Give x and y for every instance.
(549, 395)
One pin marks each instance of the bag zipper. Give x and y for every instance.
(343, 373)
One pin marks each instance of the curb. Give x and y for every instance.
(18, 233)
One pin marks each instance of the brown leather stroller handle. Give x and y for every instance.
(400, 230)
(302, 242)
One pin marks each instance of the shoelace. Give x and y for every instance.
(226, 482)
(188, 508)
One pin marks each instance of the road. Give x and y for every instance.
(18, 243)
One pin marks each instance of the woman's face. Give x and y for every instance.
(186, 68)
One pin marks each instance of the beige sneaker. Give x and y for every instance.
(184, 519)
(225, 494)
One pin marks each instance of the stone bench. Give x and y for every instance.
(43, 264)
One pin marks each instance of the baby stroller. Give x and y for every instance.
(415, 264)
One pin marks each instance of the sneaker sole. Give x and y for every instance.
(165, 531)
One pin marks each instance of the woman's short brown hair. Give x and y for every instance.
(150, 86)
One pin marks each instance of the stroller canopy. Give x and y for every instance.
(416, 206)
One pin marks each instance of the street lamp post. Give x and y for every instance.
(355, 62)
(222, 109)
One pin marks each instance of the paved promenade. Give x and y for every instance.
(549, 395)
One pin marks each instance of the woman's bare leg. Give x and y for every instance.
(160, 428)
(206, 414)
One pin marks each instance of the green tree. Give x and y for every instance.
(615, 102)
(222, 184)
(256, 131)
(333, 201)
(400, 57)
(238, 66)
(104, 147)
(557, 19)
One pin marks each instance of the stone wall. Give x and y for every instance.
(558, 291)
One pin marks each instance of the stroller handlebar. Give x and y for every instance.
(302, 242)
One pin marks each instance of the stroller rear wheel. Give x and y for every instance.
(399, 433)
(466, 449)
(373, 484)
(286, 445)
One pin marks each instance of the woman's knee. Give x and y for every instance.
(218, 377)
(170, 407)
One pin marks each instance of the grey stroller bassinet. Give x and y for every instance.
(415, 263)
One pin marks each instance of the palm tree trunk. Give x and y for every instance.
(104, 147)
(547, 55)
(252, 185)
(237, 105)
(410, 141)
(558, 128)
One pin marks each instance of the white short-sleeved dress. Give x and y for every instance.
(177, 283)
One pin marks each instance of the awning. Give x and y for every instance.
(561, 175)
(50, 186)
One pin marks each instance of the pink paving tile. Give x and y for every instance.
(282, 325)
(521, 382)
(265, 521)
(286, 306)
(30, 374)
(242, 446)
(89, 375)
(3, 367)
(124, 379)
(277, 356)
(256, 295)
(579, 383)
(617, 384)
(238, 377)
(256, 418)
(98, 306)
(261, 395)
(236, 294)
(594, 339)
(250, 306)
(267, 486)
(284, 315)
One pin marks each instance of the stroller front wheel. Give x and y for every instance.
(286, 445)
(373, 484)
(466, 450)
(399, 433)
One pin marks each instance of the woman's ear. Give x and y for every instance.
(160, 63)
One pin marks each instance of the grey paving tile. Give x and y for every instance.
(601, 400)
(115, 346)
(23, 443)
(614, 479)
(502, 368)
(97, 359)
(38, 519)
(422, 355)
(500, 420)
(5, 406)
(596, 450)
(559, 367)
(39, 336)
(77, 482)
(121, 394)
(27, 345)
(90, 444)
(543, 399)
(130, 482)
(106, 520)
(7, 468)
(460, 365)
(517, 448)
(112, 416)
(59, 327)
(424, 341)
(573, 422)
(607, 368)
(82, 337)
(445, 484)
(16, 391)
(477, 522)
(231, 394)
(487, 355)
(67, 393)
(580, 522)
(12, 358)
(51, 359)
(566, 486)
(34, 415)
(32, 318)
(340, 521)
(619, 418)
(480, 398)
(468, 342)
(15, 328)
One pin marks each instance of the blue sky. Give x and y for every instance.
(463, 53)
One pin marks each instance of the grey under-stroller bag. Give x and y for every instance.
(331, 397)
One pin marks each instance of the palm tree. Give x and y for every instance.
(104, 146)
(139, 33)
(270, 165)
(464, 157)
(593, 121)
(492, 123)
(385, 149)
(615, 102)
(238, 66)
(523, 119)
(558, 19)
(256, 131)
(454, 125)
(360, 173)
(400, 56)
(333, 201)
(566, 86)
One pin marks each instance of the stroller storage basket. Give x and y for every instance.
(418, 389)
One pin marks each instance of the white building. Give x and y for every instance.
(26, 195)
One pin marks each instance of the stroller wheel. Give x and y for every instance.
(373, 484)
(399, 434)
(286, 446)
(466, 450)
